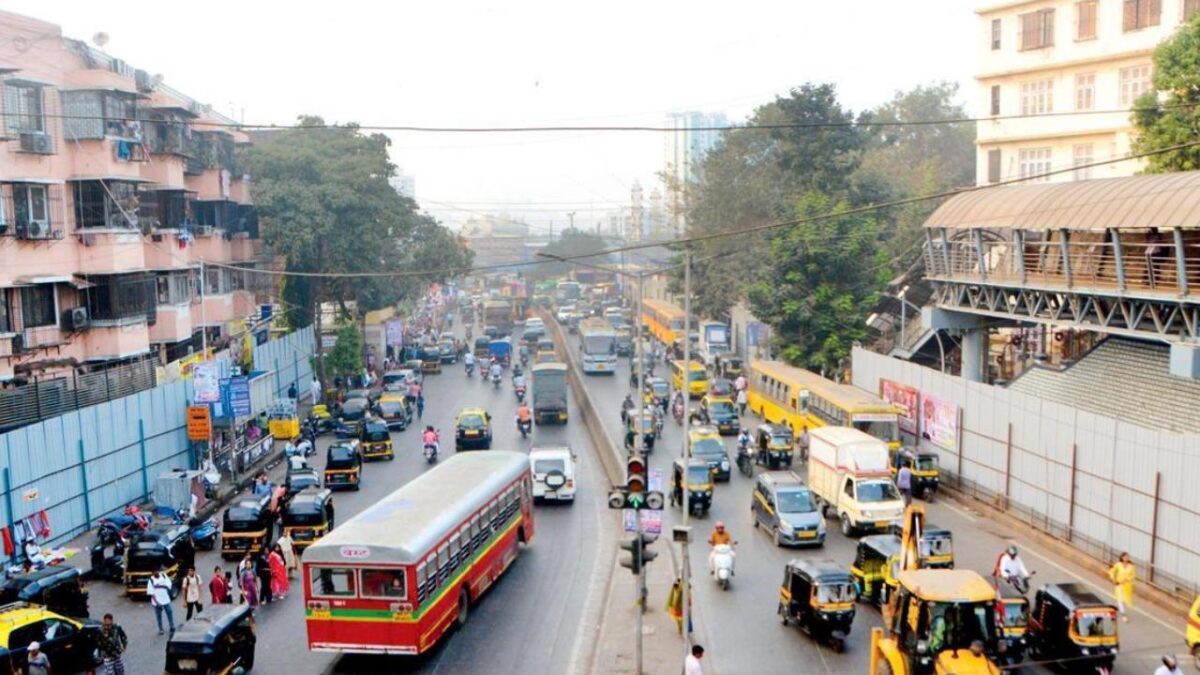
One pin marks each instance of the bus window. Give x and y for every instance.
(494, 516)
(384, 584)
(443, 562)
(805, 400)
(464, 535)
(422, 593)
(337, 582)
(455, 549)
(476, 537)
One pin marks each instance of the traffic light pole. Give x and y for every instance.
(685, 564)
(638, 445)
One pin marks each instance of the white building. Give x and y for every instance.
(1043, 58)
(693, 135)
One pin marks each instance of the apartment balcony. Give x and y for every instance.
(123, 339)
(173, 324)
(110, 252)
(214, 310)
(1028, 130)
(244, 303)
(244, 249)
(108, 157)
(211, 245)
(239, 190)
(166, 171)
(161, 251)
(207, 184)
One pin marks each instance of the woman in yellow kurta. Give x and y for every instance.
(1123, 574)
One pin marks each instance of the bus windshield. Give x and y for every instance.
(599, 345)
(888, 431)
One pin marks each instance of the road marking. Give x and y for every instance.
(958, 510)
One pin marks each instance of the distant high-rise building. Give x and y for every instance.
(694, 134)
(636, 213)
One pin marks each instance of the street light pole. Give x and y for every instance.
(685, 564)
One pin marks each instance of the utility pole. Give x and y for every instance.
(685, 564)
(571, 217)
(203, 328)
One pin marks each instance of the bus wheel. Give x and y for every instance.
(464, 608)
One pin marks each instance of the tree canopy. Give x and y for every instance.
(572, 242)
(1174, 118)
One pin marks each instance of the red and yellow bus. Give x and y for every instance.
(664, 319)
(396, 577)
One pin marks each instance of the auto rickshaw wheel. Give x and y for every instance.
(838, 644)
(783, 617)
(464, 608)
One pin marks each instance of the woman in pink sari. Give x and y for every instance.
(279, 580)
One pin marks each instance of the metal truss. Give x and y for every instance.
(1165, 319)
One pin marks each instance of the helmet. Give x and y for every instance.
(1012, 551)
(720, 525)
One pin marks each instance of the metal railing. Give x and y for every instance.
(44, 398)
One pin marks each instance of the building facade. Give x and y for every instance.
(124, 212)
(693, 135)
(1071, 70)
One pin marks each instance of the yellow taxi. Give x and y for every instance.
(376, 440)
(705, 444)
(472, 429)
(720, 412)
(70, 644)
(395, 410)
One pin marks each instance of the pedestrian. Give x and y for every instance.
(904, 484)
(261, 485)
(159, 590)
(191, 593)
(691, 665)
(229, 588)
(1123, 574)
(288, 549)
(1170, 666)
(249, 585)
(262, 568)
(279, 576)
(804, 443)
(420, 405)
(741, 383)
(742, 400)
(314, 390)
(112, 642)
(293, 391)
(218, 591)
(36, 661)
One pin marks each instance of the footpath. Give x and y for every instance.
(614, 652)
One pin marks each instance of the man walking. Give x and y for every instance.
(691, 665)
(112, 643)
(159, 590)
(191, 593)
(904, 483)
(36, 661)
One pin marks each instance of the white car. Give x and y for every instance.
(564, 313)
(553, 472)
(535, 322)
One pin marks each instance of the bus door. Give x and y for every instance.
(526, 510)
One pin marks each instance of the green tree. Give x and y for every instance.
(821, 277)
(1174, 119)
(346, 356)
(572, 242)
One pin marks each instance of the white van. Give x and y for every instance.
(553, 473)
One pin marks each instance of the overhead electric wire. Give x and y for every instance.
(684, 241)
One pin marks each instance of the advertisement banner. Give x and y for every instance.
(906, 399)
(206, 380)
(651, 521)
(239, 396)
(939, 422)
(757, 334)
(395, 333)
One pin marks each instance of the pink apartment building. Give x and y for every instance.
(117, 194)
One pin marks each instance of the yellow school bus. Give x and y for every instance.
(664, 319)
(783, 394)
(697, 381)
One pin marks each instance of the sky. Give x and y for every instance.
(475, 63)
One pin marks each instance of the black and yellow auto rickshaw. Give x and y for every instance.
(699, 485)
(59, 588)
(818, 596)
(876, 563)
(936, 548)
(376, 440)
(545, 345)
(431, 359)
(923, 464)
(775, 445)
(166, 547)
(1070, 625)
(343, 466)
(481, 347)
(1012, 615)
(298, 480)
(645, 424)
(248, 526)
(731, 367)
(308, 516)
(214, 643)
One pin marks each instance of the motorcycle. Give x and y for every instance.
(1020, 583)
(470, 368)
(744, 461)
(722, 565)
(106, 566)
(496, 381)
(677, 412)
(115, 528)
(525, 427)
(204, 533)
(431, 453)
(520, 391)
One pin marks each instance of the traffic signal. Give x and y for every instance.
(639, 552)
(635, 474)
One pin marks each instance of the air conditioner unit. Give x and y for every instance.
(17, 345)
(37, 142)
(204, 230)
(76, 318)
(34, 229)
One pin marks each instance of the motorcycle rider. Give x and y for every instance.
(1011, 568)
(716, 538)
(743, 442)
(469, 362)
(677, 406)
(429, 439)
(495, 372)
(524, 418)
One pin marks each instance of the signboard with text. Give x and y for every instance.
(206, 382)
(651, 521)
(906, 399)
(199, 423)
(239, 396)
(395, 333)
(939, 422)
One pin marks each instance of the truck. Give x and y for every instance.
(849, 474)
(598, 345)
(714, 341)
(498, 313)
(550, 393)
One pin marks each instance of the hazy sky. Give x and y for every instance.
(471, 63)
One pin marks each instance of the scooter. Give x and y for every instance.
(722, 565)
(204, 533)
(431, 453)
(108, 567)
(525, 428)
(677, 412)
(470, 367)
(520, 391)
(496, 381)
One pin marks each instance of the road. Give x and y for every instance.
(742, 633)
(545, 594)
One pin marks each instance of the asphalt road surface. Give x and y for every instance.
(539, 618)
(743, 633)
